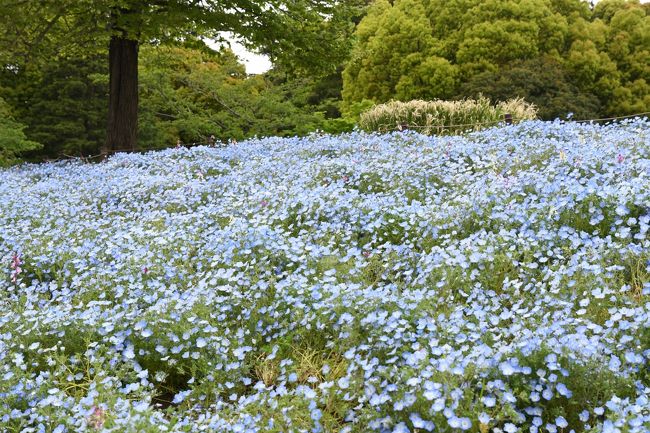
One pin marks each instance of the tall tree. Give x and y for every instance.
(308, 34)
(610, 56)
(411, 49)
(192, 93)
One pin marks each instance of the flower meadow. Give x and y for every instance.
(492, 282)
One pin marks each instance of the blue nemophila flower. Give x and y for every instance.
(507, 368)
(363, 268)
(465, 423)
(484, 418)
(420, 423)
(489, 401)
(608, 427)
(129, 352)
(599, 410)
(180, 396)
(438, 405)
(401, 428)
(614, 363)
(316, 414)
(563, 390)
(141, 406)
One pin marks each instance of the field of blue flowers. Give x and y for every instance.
(493, 282)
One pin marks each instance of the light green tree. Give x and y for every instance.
(610, 56)
(192, 93)
(409, 49)
(412, 49)
(393, 43)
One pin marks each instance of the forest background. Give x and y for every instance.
(570, 58)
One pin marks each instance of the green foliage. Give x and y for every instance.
(63, 103)
(443, 117)
(193, 93)
(13, 141)
(394, 40)
(542, 81)
(410, 49)
(554, 53)
(182, 92)
(349, 118)
(609, 56)
(187, 92)
(591, 384)
(309, 36)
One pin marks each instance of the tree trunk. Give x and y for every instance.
(122, 128)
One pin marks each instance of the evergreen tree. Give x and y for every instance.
(412, 49)
(63, 104)
(13, 141)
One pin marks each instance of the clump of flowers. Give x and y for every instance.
(97, 418)
(16, 268)
(462, 283)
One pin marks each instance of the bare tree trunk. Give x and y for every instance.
(122, 127)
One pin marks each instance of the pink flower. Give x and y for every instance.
(97, 418)
(15, 266)
(620, 158)
(264, 203)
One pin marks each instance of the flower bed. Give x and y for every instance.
(493, 282)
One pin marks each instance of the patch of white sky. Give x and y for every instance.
(254, 63)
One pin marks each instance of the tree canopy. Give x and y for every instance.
(307, 34)
(409, 49)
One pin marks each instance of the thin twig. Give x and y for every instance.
(612, 118)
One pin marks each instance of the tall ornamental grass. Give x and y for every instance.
(444, 117)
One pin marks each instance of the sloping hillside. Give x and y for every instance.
(397, 283)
